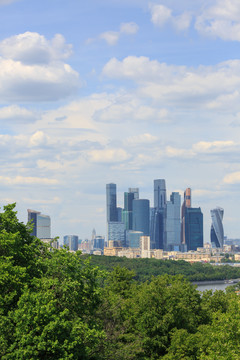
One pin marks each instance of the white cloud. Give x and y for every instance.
(32, 68)
(141, 139)
(16, 113)
(112, 37)
(221, 20)
(129, 28)
(108, 155)
(38, 139)
(162, 15)
(233, 178)
(214, 146)
(33, 48)
(180, 85)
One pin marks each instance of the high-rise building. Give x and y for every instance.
(173, 223)
(133, 238)
(127, 211)
(217, 232)
(116, 232)
(193, 228)
(158, 228)
(111, 194)
(186, 204)
(71, 241)
(160, 197)
(41, 224)
(98, 243)
(141, 215)
(135, 192)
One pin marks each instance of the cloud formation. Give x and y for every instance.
(32, 68)
(221, 20)
(179, 85)
(112, 37)
(161, 15)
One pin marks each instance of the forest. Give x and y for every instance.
(144, 269)
(55, 304)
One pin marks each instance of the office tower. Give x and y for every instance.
(135, 192)
(158, 233)
(41, 224)
(173, 223)
(71, 241)
(111, 194)
(186, 204)
(159, 193)
(133, 238)
(116, 232)
(158, 229)
(93, 233)
(217, 232)
(119, 214)
(141, 216)
(98, 243)
(127, 211)
(193, 228)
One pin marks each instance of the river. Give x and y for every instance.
(214, 285)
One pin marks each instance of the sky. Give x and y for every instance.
(122, 91)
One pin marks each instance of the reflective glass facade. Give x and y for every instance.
(193, 228)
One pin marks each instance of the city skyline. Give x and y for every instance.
(119, 91)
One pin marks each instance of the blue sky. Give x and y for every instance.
(118, 91)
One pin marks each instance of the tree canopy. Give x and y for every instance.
(55, 304)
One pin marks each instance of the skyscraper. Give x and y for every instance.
(159, 193)
(217, 232)
(71, 241)
(173, 223)
(135, 192)
(111, 194)
(186, 204)
(158, 228)
(193, 228)
(127, 211)
(41, 224)
(141, 215)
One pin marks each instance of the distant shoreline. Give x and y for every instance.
(209, 282)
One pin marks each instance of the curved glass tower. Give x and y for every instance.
(217, 233)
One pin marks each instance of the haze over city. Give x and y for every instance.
(122, 91)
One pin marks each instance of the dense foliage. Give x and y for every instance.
(56, 305)
(146, 268)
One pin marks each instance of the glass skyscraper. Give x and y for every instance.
(71, 241)
(111, 195)
(193, 228)
(41, 224)
(141, 215)
(158, 228)
(173, 223)
(217, 233)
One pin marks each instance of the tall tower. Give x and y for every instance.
(158, 230)
(186, 204)
(159, 193)
(111, 194)
(173, 223)
(41, 224)
(141, 216)
(193, 228)
(217, 232)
